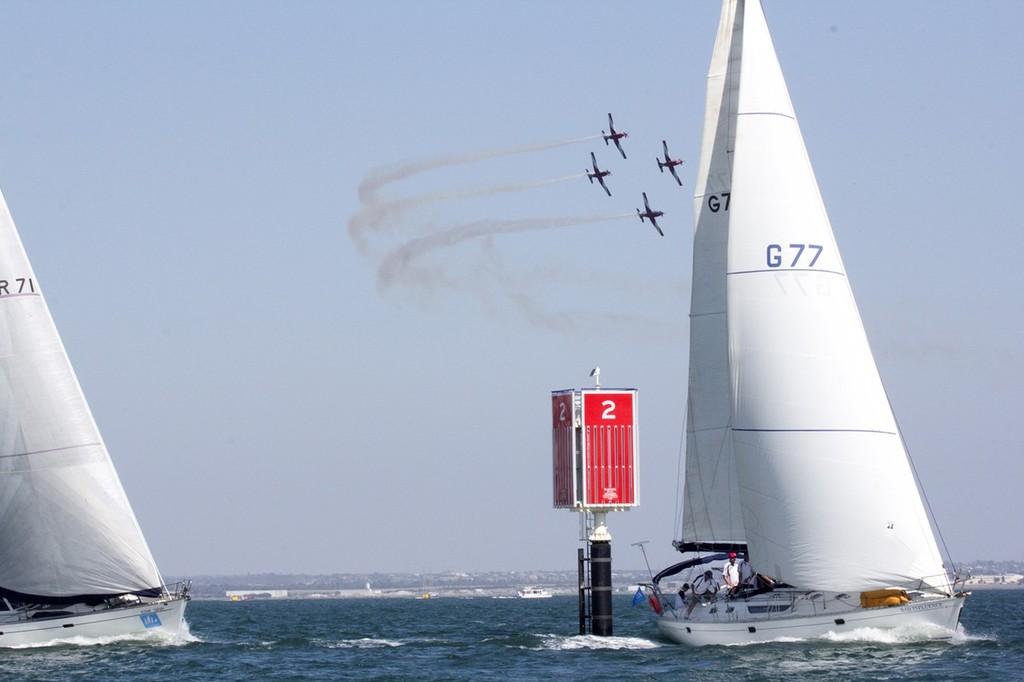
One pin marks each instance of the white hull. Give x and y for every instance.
(933, 618)
(161, 619)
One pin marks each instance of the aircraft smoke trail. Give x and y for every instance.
(384, 214)
(376, 213)
(484, 191)
(380, 177)
(627, 325)
(397, 260)
(404, 261)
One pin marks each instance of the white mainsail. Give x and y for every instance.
(788, 420)
(67, 531)
(711, 511)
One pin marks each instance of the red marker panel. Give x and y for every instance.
(563, 444)
(609, 448)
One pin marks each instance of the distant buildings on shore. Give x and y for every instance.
(1000, 580)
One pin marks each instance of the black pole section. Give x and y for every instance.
(583, 590)
(601, 588)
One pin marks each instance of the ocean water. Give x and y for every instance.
(509, 640)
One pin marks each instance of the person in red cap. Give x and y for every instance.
(731, 575)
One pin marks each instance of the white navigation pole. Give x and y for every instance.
(600, 516)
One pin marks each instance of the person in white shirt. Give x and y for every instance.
(731, 574)
(704, 587)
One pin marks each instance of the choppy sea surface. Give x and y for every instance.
(510, 640)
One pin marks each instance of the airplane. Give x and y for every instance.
(670, 163)
(598, 174)
(650, 215)
(614, 136)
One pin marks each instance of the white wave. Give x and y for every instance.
(185, 635)
(776, 640)
(155, 637)
(364, 643)
(900, 635)
(961, 636)
(594, 642)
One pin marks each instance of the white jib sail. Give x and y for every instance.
(66, 527)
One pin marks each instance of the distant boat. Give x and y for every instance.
(73, 561)
(534, 593)
(793, 453)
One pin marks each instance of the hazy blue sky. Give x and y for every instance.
(292, 376)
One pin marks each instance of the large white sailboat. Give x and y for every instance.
(793, 455)
(73, 560)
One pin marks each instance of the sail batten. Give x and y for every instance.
(794, 430)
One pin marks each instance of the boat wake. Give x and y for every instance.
(153, 638)
(593, 643)
(961, 636)
(905, 634)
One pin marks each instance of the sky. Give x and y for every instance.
(319, 265)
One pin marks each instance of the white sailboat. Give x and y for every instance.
(73, 560)
(793, 454)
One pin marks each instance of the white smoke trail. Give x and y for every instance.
(512, 289)
(382, 176)
(626, 325)
(376, 213)
(397, 260)
(386, 214)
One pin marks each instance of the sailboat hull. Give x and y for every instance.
(732, 622)
(163, 619)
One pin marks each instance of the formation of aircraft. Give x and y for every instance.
(650, 215)
(598, 174)
(614, 136)
(669, 163)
